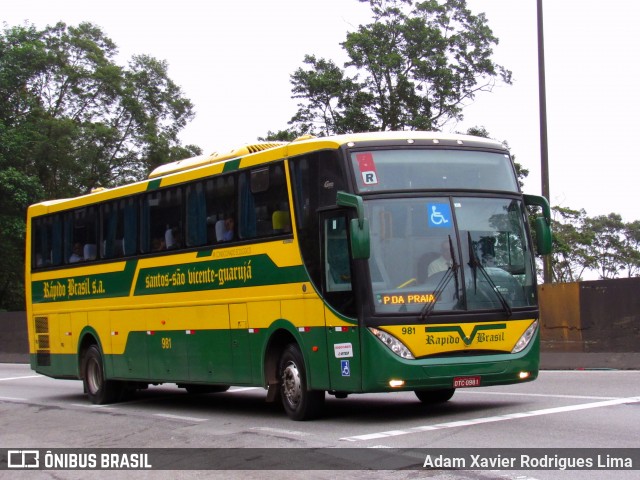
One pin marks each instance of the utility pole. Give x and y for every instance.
(544, 148)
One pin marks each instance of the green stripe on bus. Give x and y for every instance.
(231, 165)
(153, 184)
(84, 287)
(251, 271)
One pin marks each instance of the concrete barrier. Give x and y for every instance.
(14, 342)
(591, 324)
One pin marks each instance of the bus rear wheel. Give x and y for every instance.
(299, 403)
(432, 397)
(98, 388)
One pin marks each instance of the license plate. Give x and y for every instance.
(463, 382)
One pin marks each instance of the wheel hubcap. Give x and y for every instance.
(291, 384)
(94, 379)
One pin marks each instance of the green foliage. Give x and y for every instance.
(17, 191)
(72, 119)
(604, 244)
(280, 136)
(570, 241)
(413, 68)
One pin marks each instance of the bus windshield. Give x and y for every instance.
(445, 254)
(433, 169)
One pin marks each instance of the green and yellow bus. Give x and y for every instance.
(377, 262)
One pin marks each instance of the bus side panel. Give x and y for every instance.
(155, 347)
(49, 346)
(240, 343)
(209, 348)
(128, 340)
(308, 316)
(343, 354)
(260, 315)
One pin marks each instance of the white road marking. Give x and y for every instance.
(498, 418)
(544, 395)
(180, 417)
(243, 389)
(14, 399)
(92, 405)
(19, 378)
(282, 431)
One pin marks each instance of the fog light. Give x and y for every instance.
(524, 375)
(396, 383)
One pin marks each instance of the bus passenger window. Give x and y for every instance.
(162, 218)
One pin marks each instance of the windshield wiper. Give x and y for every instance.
(475, 265)
(452, 272)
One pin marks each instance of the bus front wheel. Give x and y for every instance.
(432, 397)
(299, 403)
(98, 388)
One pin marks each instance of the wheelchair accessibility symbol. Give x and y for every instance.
(439, 215)
(344, 368)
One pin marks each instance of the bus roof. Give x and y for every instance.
(310, 142)
(299, 146)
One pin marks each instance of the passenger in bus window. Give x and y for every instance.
(168, 237)
(76, 255)
(229, 224)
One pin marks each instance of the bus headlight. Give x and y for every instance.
(395, 345)
(525, 338)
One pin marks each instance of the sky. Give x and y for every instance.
(233, 60)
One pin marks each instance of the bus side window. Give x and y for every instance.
(338, 290)
(47, 241)
(263, 202)
(196, 215)
(161, 220)
(337, 264)
(80, 235)
(221, 220)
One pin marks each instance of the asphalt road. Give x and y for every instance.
(562, 409)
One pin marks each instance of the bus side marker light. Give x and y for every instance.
(524, 375)
(304, 329)
(150, 332)
(254, 330)
(396, 383)
(190, 332)
(113, 334)
(342, 329)
(314, 349)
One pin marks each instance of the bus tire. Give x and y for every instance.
(432, 397)
(299, 403)
(98, 388)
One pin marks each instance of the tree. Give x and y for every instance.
(17, 191)
(75, 119)
(606, 248)
(72, 119)
(631, 248)
(571, 240)
(414, 67)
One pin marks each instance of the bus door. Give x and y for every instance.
(340, 308)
